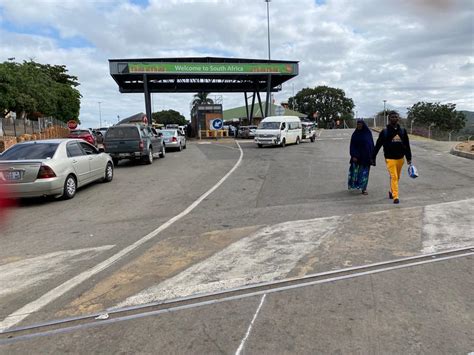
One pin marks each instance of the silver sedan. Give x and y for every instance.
(54, 167)
(174, 139)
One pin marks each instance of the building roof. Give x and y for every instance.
(240, 112)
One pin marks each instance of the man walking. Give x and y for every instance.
(394, 140)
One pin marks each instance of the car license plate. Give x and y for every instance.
(12, 175)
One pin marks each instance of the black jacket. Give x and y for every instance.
(395, 143)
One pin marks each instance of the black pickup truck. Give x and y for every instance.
(133, 141)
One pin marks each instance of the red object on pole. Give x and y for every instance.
(71, 124)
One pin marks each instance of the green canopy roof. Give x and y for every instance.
(240, 112)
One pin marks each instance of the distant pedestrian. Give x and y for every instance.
(396, 146)
(361, 150)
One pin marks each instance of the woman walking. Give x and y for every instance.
(361, 150)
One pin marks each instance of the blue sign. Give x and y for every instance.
(217, 124)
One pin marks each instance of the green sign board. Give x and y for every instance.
(214, 68)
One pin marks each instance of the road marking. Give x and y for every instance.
(242, 343)
(20, 275)
(20, 314)
(448, 225)
(274, 251)
(265, 255)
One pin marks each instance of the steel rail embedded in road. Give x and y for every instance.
(128, 313)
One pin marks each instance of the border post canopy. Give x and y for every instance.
(201, 74)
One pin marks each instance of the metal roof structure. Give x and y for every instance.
(240, 112)
(205, 74)
(201, 74)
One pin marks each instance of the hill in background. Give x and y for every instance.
(469, 128)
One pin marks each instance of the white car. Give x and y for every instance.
(54, 167)
(174, 139)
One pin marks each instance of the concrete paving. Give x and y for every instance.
(235, 236)
(421, 309)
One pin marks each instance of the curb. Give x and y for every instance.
(461, 153)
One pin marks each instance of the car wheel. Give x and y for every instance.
(180, 147)
(70, 187)
(283, 143)
(115, 161)
(259, 145)
(184, 147)
(297, 140)
(149, 157)
(163, 151)
(109, 172)
(312, 139)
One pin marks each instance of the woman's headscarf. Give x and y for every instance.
(362, 144)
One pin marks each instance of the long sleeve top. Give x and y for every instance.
(395, 143)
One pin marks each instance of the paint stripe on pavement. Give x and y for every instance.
(20, 314)
(20, 275)
(266, 255)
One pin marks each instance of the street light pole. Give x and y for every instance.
(269, 80)
(384, 112)
(100, 115)
(268, 27)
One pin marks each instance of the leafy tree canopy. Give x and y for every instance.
(328, 103)
(169, 117)
(33, 90)
(444, 116)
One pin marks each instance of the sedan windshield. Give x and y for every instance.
(269, 125)
(30, 151)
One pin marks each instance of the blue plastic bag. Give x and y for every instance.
(412, 171)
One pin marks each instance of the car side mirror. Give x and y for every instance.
(101, 150)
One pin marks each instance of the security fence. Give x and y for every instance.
(17, 127)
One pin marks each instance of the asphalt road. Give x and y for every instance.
(281, 213)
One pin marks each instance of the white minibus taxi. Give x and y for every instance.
(278, 130)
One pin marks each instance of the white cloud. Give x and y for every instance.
(400, 51)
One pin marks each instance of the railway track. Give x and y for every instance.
(199, 300)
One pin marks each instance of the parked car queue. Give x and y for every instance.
(58, 167)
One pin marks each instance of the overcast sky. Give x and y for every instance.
(402, 51)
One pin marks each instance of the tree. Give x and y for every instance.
(202, 98)
(329, 104)
(444, 116)
(169, 117)
(33, 90)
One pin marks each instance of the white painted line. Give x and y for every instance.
(268, 254)
(242, 343)
(17, 316)
(20, 275)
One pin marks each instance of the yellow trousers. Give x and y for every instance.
(394, 167)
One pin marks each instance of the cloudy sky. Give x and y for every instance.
(402, 51)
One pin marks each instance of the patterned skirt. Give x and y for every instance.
(358, 176)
